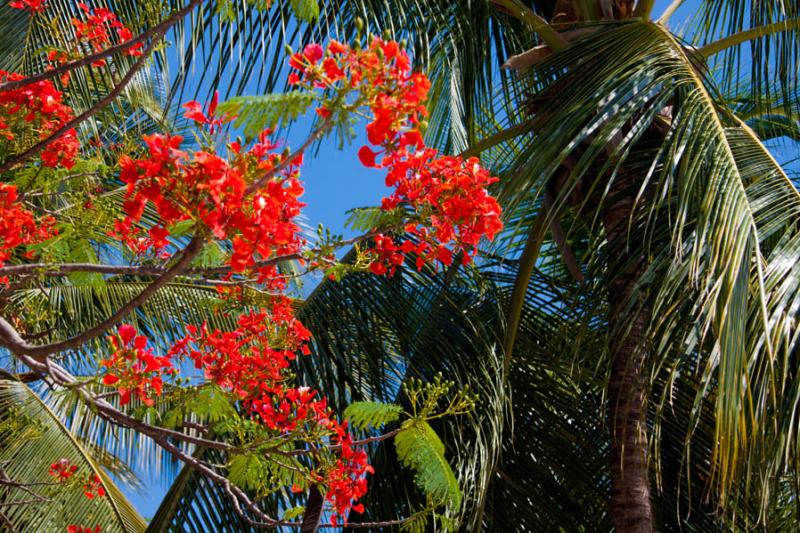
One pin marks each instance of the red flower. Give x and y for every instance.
(313, 53)
(83, 529)
(132, 368)
(37, 110)
(62, 470)
(35, 6)
(367, 156)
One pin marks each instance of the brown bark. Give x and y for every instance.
(631, 507)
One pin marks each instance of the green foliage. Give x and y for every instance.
(212, 404)
(305, 10)
(248, 471)
(419, 448)
(363, 219)
(416, 523)
(254, 114)
(26, 453)
(375, 414)
(426, 396)
(294, 512)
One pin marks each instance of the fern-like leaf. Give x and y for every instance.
(375, 414)
(419, 448)
(305, 10)
(254, 114)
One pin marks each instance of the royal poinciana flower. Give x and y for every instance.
(18, 226)
(36, 110)
(252, 362)
(93, 487)
(210, 190)
(95, 30)
(451, 209)
(194, 111)
(347, 481)
(62, 470)
(34, 6)
(83, 529)
(133, 368)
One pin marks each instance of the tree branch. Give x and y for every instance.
(110, 97)
(60, 269)
(161, 28)
(11, 339)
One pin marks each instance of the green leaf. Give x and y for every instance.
(416, 524)
(375, 414)
(211, 403)
(419, 448)
(31, 439)
(254, 114)
(305, 10)
(294, 512)
(248, 471)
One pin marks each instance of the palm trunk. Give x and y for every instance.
(631, 508)
(627, 417)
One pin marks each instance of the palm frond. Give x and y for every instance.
(33, 438)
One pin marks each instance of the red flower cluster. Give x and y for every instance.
(206, 188)
(133, 368)
(251, 360)
(18, 226)
(451, 208)
(83, 529)
(35, 6)
(62, 470)
(347, 481)
(194, 111)
(95, 31)
(93, 488)
(381, 75)
(38, 109)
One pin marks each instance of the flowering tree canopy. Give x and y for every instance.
(223, 211)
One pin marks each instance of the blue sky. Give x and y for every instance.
(336, 181)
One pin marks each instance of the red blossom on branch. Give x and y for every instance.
(210, 190)
(38, 108)
(96, 29)
(62, 470)
(83, 529)
(451, 209)
(134, 369)
(93, 488)
(18, 226)
(35, 6)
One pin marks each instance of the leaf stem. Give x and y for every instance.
(664, 18)
(748, 35)
(539, 25)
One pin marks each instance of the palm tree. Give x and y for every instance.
(648, 269)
